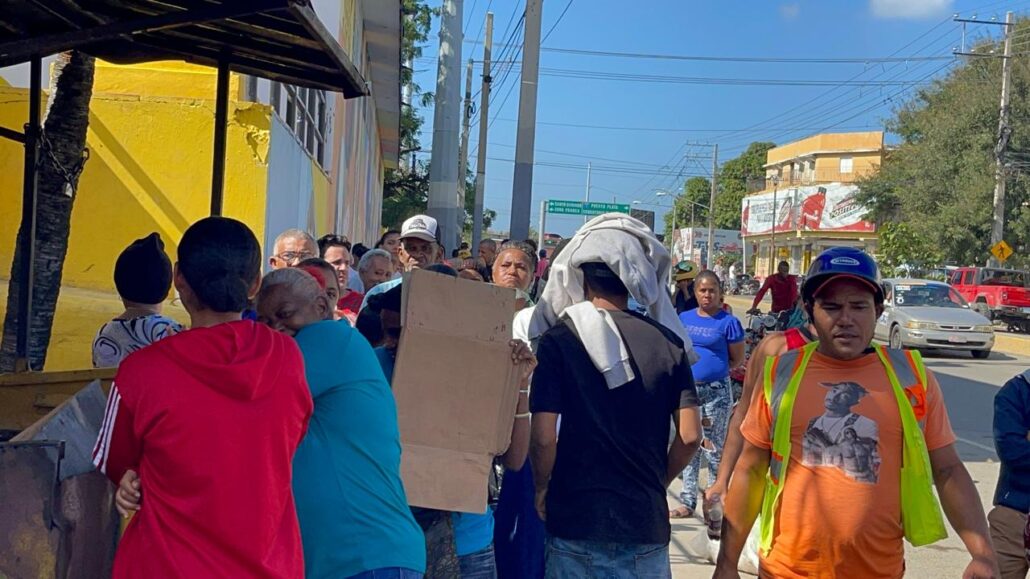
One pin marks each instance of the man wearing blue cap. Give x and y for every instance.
(843, 446)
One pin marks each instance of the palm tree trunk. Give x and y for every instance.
(64, 141)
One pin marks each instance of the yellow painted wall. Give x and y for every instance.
(149, 170)
(166, 78)
(827, 142)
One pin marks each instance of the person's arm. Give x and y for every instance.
(771, 345)
(742, 505)
(543, 451)
(545, 402)
(761, 292)
(685, 443)
(1010, 431)
(515, 457)
(117, 449)
(962, 506)
(736, 354)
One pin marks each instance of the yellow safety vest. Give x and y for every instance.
(920, 511)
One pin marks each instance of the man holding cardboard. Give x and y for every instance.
(420, 248)
(616, 378)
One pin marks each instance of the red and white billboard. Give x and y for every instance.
(832, 207)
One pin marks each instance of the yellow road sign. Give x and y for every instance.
(1001, 250)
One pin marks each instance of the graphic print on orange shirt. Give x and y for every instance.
(839, 515)
(843, 439)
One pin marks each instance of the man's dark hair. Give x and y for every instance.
(220, 258)
(358, 250)
(543, 253)
(601, 280)
(331, 240)
(370, 325)
(781, 264)
(442, 268)
(389, 300)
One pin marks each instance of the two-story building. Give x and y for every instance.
(809, 200)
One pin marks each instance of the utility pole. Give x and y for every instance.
(1004, 132)
(543, 224)
(711, 208)
(446, 123)
(1004, 129)
(587, 198)
(484, 124)
(463, 155)
(522, 187)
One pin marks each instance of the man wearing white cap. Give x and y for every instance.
(420, 248)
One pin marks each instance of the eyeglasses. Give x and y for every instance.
(295, 255)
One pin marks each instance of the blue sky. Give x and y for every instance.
(630, 163)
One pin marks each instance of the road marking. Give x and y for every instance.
(976, 444)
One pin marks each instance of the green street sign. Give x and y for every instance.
(556, 207)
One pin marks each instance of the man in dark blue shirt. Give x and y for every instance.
(1008, 519)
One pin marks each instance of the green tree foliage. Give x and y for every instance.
(905, 251)
(939, 181)
(406, 191)
(735, 176)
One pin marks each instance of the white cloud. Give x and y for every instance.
(910, 9)
(790, 11)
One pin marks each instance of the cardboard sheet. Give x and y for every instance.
(456, 388)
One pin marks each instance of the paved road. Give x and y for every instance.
(969, 387)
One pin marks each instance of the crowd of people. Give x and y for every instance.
(263, 441)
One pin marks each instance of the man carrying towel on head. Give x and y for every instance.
(616, 378)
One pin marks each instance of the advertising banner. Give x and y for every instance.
(831, 207)
(692, 244)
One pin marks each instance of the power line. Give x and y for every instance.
(557, 22)
(667, 129)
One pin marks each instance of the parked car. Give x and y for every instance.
(920, 313)
(999, 294)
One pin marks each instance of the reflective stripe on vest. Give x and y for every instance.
(921, 515)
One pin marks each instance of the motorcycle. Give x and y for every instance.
(744, 285)
(757, 325)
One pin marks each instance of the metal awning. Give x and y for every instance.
(282, 40)
(278, 39)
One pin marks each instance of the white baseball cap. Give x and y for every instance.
(420, 227)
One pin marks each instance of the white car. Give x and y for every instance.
(921, 313)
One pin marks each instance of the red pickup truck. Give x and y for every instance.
(999, 294)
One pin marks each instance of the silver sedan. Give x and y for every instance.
(929, 314)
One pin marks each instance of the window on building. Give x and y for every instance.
(304, 111)
(847, 165)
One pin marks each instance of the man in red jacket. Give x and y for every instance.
(201, 428)
(784, 289)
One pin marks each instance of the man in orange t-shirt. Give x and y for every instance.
(839, 513)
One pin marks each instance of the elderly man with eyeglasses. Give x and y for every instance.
(292, 247)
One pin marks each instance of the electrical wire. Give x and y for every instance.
(556, 23)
